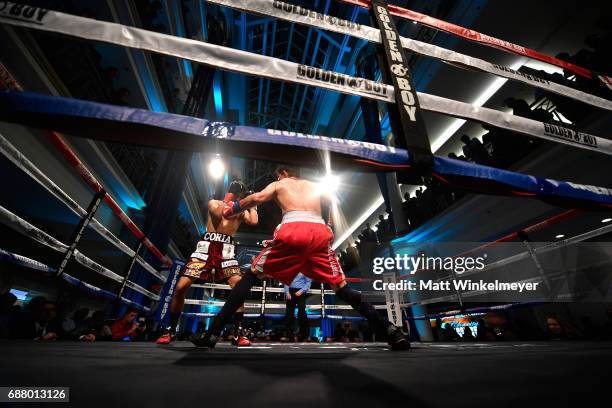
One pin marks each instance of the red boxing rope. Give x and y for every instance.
(481, 38)
(75, 162)
(555, 219)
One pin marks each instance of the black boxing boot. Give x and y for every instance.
(204, 340)
(396, 339)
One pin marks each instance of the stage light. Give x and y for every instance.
(329, 184)
(216, 168)
(606, 220)
(559, 236)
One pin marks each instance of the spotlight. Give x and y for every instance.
(329, 184)
(559, 236)
(606, 220)
(216, 168)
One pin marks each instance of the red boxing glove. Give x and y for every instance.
(229, 197)
(232, 209)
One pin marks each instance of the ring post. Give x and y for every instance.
(394, 311)
(262, 311)
(522, 235)
(78, 232)
(322, 301)
(129, 268)
(165, 297)
(405, 114)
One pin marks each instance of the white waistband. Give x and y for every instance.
(302, 216)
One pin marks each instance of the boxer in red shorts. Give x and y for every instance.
(213, 260)
(301, 243)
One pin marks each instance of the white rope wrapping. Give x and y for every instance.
(517, 257)
(301, 15)
(200, 302)
(25, 165)
(22, 226)
(256, 288)
(278, 69)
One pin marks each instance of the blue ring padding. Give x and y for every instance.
(8, 256)
(165, 130)
(91, 289)
(101, 292)
(280, 316)
(24, 261)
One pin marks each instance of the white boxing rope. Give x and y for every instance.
(256, 288)
(25, 228)
(200, 302)
(25, 165)
(278, 69)
(33, 264)
(142, 290)
(517, 257)
(298, 14)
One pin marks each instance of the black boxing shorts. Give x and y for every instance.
(214, 259)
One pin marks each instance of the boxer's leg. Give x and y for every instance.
(239, 315)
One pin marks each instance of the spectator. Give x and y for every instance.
(296, 295)
(340, 333)
(7, 300)
(481, 329)
(559, 330)
(97, 327)
(351, 334)
(449, 333)
(467, 334)
(436, 331)
(75, 327)
(46, 325)
(474, 150)
(381, 227)
(369, 234)
(121, 97)
(127, 328)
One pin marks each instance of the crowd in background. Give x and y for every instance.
(44, 320)
(554, 328)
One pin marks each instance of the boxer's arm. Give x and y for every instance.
(251, 217)
(213, 206)
(235, 207)
(261, 197)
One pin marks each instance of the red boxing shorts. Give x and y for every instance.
(302, 243)
(213, 259)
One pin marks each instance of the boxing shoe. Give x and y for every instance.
(241, 341)
(396, 339)
(204, 340)
(166, 338)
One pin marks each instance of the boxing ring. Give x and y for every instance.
(297, 374)
(171, 131)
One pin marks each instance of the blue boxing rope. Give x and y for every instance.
(171, 131)
(25, 261)
(277, 316)
(86, 287)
